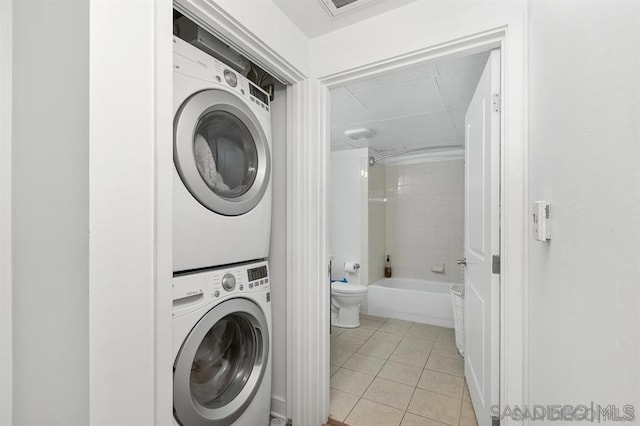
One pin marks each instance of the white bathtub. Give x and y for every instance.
(422, 301)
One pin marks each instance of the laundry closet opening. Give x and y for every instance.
(410, 174)
(229, 232)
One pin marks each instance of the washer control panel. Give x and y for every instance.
(193, 62)
(191, 291)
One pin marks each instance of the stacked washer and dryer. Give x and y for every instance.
(221, 232)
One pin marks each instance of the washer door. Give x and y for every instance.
(221, 152)
(221, 364)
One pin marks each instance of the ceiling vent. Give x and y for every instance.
(340, 7)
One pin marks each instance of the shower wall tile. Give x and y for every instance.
(424, 218)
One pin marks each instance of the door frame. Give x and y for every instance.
(513, 188)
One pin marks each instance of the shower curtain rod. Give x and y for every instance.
(372, 161)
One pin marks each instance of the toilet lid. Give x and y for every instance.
(347, 288)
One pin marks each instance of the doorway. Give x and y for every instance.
(408, 165)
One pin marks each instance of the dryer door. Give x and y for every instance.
(221, 152)
(221, 364)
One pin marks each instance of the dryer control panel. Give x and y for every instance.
(194, 290)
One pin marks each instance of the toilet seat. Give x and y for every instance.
(340, 287)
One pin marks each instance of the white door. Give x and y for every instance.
(482, 195)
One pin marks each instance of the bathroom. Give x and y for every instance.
(396, 233)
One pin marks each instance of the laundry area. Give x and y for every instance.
(318, 212)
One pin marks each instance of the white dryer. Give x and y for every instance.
(222, 347)
(222, 175)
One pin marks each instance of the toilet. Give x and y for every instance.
(345, 304)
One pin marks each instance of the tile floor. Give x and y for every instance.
(391, 372)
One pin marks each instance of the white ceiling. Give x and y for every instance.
(314, 20)
(416, 107)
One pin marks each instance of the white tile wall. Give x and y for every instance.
(425, 219)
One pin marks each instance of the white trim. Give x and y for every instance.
(163, 127)
(513, 380)
(6, 290)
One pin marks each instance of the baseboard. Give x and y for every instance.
(278, 406)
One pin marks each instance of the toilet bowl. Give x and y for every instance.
(345, 304)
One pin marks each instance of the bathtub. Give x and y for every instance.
(422, 301)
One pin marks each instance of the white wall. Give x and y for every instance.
(6, 298)
(376, 223)
(278, 251)
(50, 186)
(425, 219)
(420, 24)
(584, 297)
(348, 199)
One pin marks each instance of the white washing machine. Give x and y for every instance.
(222, 175)
(222, 347)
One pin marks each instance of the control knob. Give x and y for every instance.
(229, 282)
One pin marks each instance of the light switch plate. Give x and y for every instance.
(541, 219)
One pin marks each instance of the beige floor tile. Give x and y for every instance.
(444, 331)
(381, 350)
(401, 373)
(441, 383)
(435, 406)
(351, 381)
(427, 327)
(341, 404)
(423, 331)
(333, 369)
(358, 333)
(417, 344)
(338, 357)
(369, 413)
(380, 345)
(411, 419)
(444, 336)
(468, 415)
(445, 346)
(408, 355)
(396, 327)
(370, 323)
(380, 336)
(364, 364)
(346, 343)
(389, 393)
(445, 365)
(336, 331)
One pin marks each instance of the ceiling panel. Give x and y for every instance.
(395, 77)
(400, 99)
(457, 87)
(415, 107)
(346, 108)
(452, 65)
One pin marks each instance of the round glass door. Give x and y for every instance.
(221, 364)
(221, 152)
